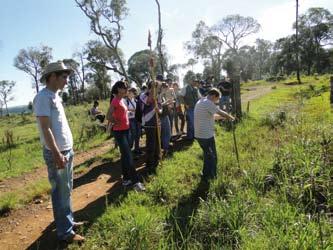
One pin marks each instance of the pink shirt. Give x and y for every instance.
(120, 114)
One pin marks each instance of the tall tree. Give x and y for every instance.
(32, 61)
(6, 88)
(231, 31)
(73, 80)
(138, 66)
(316, 28)
(106, 18)
(207, 47)
(81, 70)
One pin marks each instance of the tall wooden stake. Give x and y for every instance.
(151, 67)
(297, 46)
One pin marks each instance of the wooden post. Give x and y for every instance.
(331, 97)
(248, 107)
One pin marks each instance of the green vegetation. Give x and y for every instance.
(25, 154)
(279, 199)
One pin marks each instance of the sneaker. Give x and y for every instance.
(139, 187)
(127, 183)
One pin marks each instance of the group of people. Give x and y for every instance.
(157, 109)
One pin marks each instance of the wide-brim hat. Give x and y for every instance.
(54, 67)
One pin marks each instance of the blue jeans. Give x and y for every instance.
(190, 123)
(165, 132)
(171, 116)
(135, 132)
(123, 138)
(225, 103)
(152, 148)
(61, 181)
(210, 157)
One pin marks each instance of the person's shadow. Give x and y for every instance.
(116, 194)
(181, 214)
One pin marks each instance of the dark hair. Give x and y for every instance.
(118, 85)
(214, 92)
(96, 103)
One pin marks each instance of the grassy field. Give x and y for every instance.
(279, 198)
(20, 149)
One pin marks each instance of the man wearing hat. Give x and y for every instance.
(57, 141)
(190, 95)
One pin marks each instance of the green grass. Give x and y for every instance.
(15, 199)
(26, 153)
(270, 203)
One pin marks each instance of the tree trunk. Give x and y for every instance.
(6, 107)
(36, 84)
(331, 97)
(234, 75)
(83, 77)
(297, 46)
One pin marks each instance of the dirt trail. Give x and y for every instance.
(32, 227)
(17, 183)
(255, 92)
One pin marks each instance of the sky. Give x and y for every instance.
(62, 26)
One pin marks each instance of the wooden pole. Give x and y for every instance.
(151, 66)
(331, 97)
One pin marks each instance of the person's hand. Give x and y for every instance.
(157, 110)
(231, 118)
(60, 160)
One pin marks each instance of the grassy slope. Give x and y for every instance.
(240, 209)
(26, 153)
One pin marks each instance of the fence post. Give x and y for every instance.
(331, 97)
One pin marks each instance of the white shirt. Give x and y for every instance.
(204, 122)
(48, 103)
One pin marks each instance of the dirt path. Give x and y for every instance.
(32, 227)
(255, 92)
(17, 183)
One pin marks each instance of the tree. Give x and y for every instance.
(189, 77)
(1, 108)
(138, 66)
(30, 106)
(262, 57)
(73, 80)
(297, 45)
(32, 61)
(99, 55)
(316, 29)
(206, 46)
(231, 31)
(105, 18)
(81, 70)
(6, 88)
(100, 78)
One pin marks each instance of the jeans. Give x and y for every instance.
(152, 148)
(190, 123)
(135, 132)
(225, 103)
(122, 138)
(171, 116)
(165, 132)
(210, 157)
(61, 181)
(179, 115)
